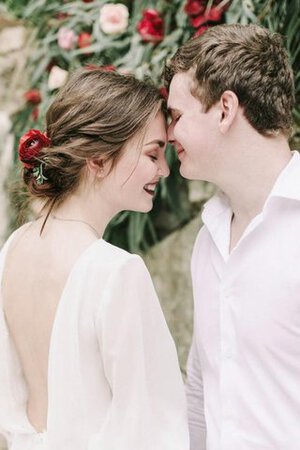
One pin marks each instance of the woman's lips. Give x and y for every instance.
(150, 188)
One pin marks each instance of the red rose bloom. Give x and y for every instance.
(164, 92)
(84, 40)
(30, 146)
(33, 96)
(194, 7)
(151, 26)
(213, 15)
(200, 30)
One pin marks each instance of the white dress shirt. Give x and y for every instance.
(243, 384)
(114, 381)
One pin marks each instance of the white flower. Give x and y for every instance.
(114, 18)
(57, 77)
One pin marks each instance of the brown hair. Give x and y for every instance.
(94, 115)
(248, 60)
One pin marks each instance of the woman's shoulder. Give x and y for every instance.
(12, 236)
(113, 257)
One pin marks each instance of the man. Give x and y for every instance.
(230, 95)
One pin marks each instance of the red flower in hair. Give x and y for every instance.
(30, 146)
(33, 96)
(151, 27)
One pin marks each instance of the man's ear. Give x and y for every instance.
(98, 167)
(229, 104)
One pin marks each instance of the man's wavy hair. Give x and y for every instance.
(248, 60)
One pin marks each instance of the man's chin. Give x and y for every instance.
(190, 174)
(185, 173)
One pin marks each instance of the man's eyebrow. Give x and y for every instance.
(158, 142)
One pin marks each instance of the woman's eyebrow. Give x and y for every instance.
(158, 142)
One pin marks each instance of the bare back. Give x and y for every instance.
(35, 273)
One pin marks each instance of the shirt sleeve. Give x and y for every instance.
(148, 410)
(195, 400)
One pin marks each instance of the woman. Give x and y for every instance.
(87, 361)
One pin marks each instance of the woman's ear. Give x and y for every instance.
(229, 104)
(98, 167)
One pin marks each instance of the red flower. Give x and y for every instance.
(33, 96)
(194, 7)
(84, 40)
(87, 1)
(164, 92)
(30, 146)
(151, 27)
(200, 30)
(213, 15)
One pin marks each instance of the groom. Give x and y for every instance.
(230, 96)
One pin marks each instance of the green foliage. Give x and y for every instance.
(129, 52)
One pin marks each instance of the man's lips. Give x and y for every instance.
(179, 151)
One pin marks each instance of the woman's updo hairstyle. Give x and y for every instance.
(94, 115)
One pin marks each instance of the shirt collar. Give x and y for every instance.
(287, 185)
(217, 213)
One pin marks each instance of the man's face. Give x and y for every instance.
(194, 132)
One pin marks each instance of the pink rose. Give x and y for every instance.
(66, 38)
(114, 18)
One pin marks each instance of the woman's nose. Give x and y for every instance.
(164, 170)
(170, 133)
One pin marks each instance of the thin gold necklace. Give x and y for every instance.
(77, 220)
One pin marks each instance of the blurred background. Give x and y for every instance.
(42, 41)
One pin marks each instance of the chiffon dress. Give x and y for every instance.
(114, 381)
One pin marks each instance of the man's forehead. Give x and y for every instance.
(180, 86)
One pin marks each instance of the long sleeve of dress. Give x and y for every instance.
(148, 409)
(195, 400)
(194, 383)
